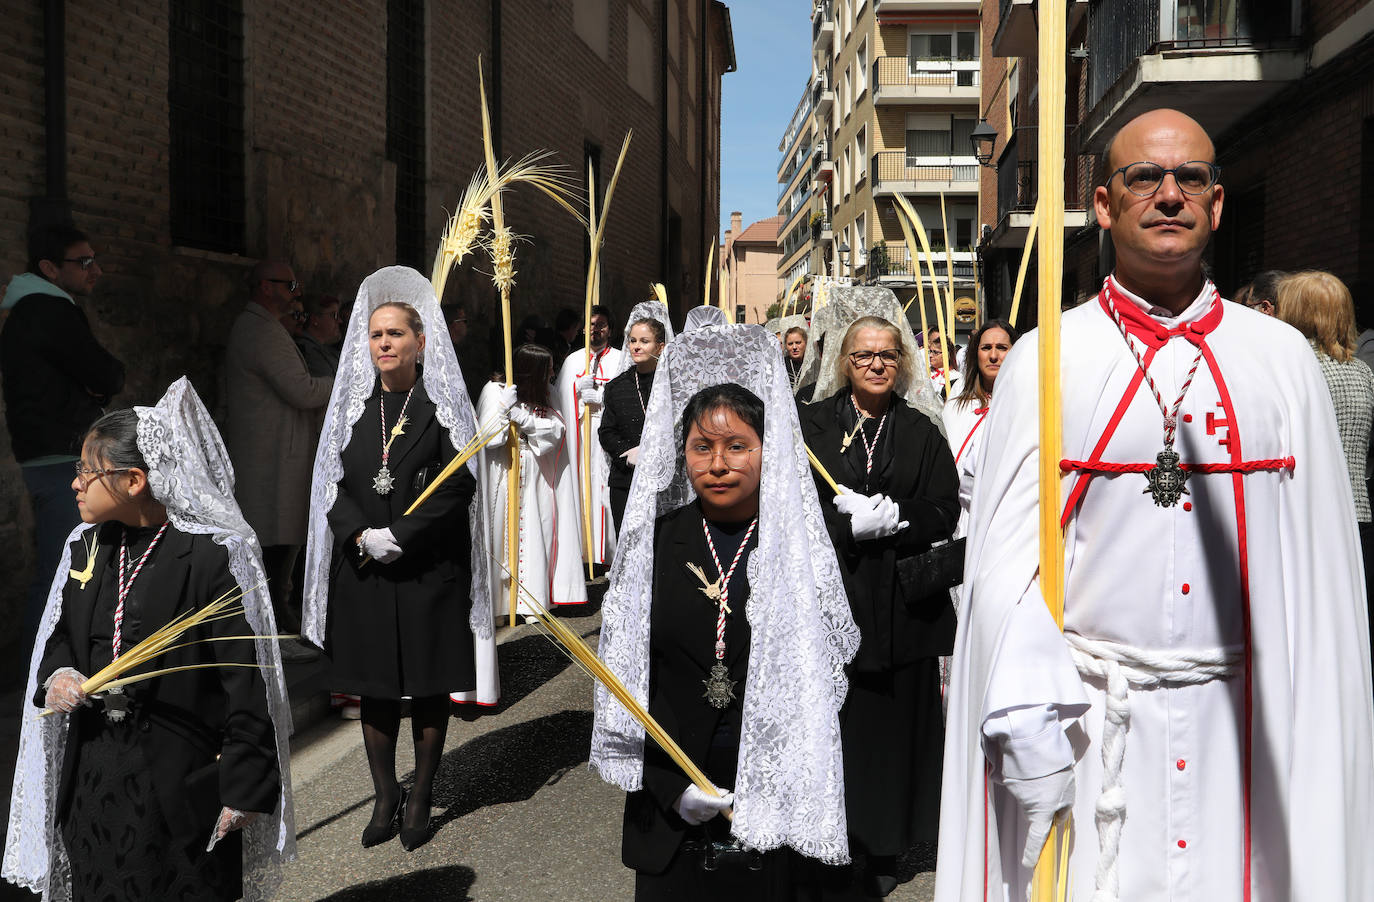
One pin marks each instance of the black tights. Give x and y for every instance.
(381, 720)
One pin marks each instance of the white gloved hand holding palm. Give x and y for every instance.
(64, 690)
(381, 545)
(696, 807)
(871, 516)
(1041, 798)
(506, 397)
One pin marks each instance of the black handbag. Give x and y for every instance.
(940, 568)
(729, 855)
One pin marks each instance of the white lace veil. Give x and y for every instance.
(789, 789)
(703, 316)
(828, 326)
(353, 385)
(189, 472)
(643, 310)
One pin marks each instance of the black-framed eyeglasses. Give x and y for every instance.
(1144, 178)
(84, 262)
(291, 284)
(889, 357)
(85, 475)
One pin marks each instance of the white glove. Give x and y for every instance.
(882, 520)
(632, 456)
(590, 396)
(849, 501)
(229, 819)
(64, 690)
(522, 417)
(1041, 798)
(381, 545)
(506, 397)
(585, 383)
(696, 807)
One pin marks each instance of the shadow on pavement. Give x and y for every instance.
(511, 764)
(449, 883)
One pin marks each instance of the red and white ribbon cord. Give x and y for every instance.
(724, 601)
(117, 640)
(868, 448)
(1170, 417)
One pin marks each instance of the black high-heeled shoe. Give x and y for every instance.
(414, 837)
(376, 834)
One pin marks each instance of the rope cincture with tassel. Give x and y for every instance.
(581, 654)
(165, 639)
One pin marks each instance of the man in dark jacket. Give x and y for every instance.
(57, 380)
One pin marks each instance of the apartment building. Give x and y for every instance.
(800, 216)
(1283, 86)
(896, 88)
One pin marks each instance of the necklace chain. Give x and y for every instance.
(725, 577)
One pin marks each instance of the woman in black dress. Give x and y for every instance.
(622, 413)
(399, 585)
(903, 496)
(151, 771)
(726, 611)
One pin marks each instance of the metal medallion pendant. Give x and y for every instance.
(1167, 479)
(720, 689)
(383, 482)
(116, 705)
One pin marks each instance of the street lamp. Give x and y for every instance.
(844, 257)
(983, 138)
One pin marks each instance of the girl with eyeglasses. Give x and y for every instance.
(726, 614)
(118, 794)
(899, 495)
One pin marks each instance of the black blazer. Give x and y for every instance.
(401, 628)
(184, 719)
(682, 636)
(622, 424)
(915, 468)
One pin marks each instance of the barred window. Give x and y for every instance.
(405, 124)
(205, 100)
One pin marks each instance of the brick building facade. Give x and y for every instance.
(201, 137)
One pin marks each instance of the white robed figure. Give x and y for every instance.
(550, 537)
(1206, 714)
(579, 388)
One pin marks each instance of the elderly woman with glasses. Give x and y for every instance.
(899, 494)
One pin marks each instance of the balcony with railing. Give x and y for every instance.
(896, 171)
(822, 26)
(823, 96)
(925, 6)
(1018, 26)
(1216, 60)
(904, 79)
(1018, 189)
(893, 262)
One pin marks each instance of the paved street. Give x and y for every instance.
(518, 814)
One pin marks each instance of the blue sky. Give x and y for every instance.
(773, 51)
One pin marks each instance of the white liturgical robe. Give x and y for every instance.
(605, 367)
(1254, 785)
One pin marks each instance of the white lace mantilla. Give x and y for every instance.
(643, 310)
(828, 326)
(353, 385)
(790, 784)
(190, 473)
(703, 316)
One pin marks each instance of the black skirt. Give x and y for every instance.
(117, 838)
(894, 737)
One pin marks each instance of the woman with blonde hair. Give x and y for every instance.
(1319, 306)
(899, 495)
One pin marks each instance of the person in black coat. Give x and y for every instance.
(400, 598)
(723, 448)
(150, 772)
(624, 402)
(903, 497)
